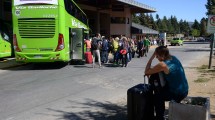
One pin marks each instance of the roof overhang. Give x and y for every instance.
(137, 7)
(145, 30)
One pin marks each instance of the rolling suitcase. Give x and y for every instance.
(88, 57)
(140, 102)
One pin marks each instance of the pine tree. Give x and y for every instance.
(153, 23)
(196, 25)
(203, 31)
(135, 18)
(210, 6)
(143, 19)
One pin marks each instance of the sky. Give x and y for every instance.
(188, 10)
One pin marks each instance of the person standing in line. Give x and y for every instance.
(133, 48)
(104, 50)
(129, 54)
(140, 48)
(88, 45)
(146, 43)
(121, 44)
(110, 45)
(123, 52)
(95, 46)
(176, 87)
(115, 49)
(126, 46)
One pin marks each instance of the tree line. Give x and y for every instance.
(172, 26)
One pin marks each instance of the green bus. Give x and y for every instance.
(5, 43)
(48, 30)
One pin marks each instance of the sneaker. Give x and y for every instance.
(100, 66)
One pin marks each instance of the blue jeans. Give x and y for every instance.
(104, 56)
(124, 60)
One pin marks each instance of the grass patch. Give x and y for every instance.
(211, 71)
(205, 74)
(201, 80)
(203, 67)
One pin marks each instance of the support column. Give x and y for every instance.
(97, 21)
(1, 9)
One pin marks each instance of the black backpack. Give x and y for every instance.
(156, 82)
(94, 44)
(105, 45)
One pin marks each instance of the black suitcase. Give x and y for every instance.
(140, 102)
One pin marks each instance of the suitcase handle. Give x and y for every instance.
(144, 79)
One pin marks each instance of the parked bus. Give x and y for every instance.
(48, 30)
(5, 43)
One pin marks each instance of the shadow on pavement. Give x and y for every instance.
(46, 66)
(94, 110)
(81, 66)
(36, 66)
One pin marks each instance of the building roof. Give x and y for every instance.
(144, 29)
(138, 7)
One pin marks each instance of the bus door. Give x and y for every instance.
(77, 42)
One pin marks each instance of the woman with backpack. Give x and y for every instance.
(95, 46)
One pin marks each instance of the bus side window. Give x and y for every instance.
(68, 6)
(71, 7)
(76, 13)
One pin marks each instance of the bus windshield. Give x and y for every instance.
(22, 2)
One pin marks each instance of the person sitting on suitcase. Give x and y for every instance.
(176, 87)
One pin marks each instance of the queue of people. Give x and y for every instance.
(122, 49)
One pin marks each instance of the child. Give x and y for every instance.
(123, 52)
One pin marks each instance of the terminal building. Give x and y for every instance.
(108, 17)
